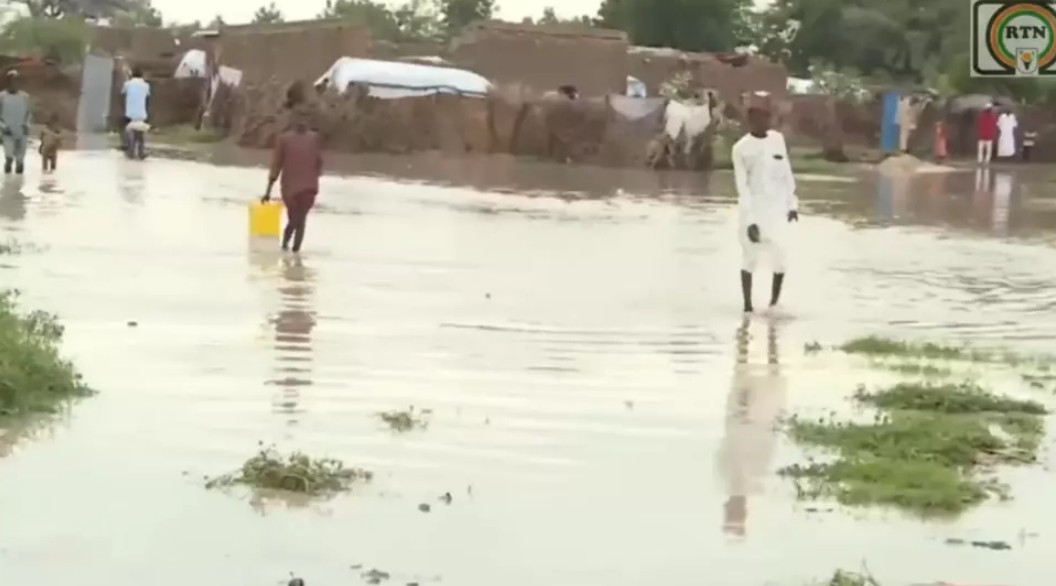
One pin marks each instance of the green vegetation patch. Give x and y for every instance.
(296, 472)
(845, 578)
(909, 367)
(34, 378)
(925, 451)
(880, 347)
(404, 421)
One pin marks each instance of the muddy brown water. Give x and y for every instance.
(601, 413)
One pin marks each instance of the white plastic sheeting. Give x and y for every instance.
(193, 64)
(800, 86)
(394, 79)
(692, 118)
(635, 108)
(636, 88)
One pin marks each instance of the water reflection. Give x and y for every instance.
(990, 201)
(981, 205)
(12, 200)
(1003, 185)
(293, 337)
(892, 195)
(756, 399)
(132, 181)
(32, 428)
(49, 185)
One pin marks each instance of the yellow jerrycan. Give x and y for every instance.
(265, 219)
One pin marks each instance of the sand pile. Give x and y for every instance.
(908, 164)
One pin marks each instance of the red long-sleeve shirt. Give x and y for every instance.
(298, 162)
(986, 125)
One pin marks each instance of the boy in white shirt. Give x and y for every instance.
(766, 197)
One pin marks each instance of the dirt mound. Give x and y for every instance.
(582, 131)
(908, 164)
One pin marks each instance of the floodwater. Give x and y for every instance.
(601, 413)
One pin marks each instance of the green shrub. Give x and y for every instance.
(34, 378)
(62, 39)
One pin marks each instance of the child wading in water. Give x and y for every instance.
(50, 141)
(941, 151)
(298, 160)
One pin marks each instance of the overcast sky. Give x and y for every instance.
(238, 11)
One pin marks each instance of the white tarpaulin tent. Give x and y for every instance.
(192, 65)
(393, 79)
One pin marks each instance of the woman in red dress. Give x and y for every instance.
(298, 161)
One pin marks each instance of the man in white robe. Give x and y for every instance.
(1006, 141)
(766, 198)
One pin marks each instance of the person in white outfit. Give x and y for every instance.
(1006, 137)
(766, 198)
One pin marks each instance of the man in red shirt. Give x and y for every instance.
(985, 133)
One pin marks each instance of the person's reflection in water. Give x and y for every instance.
(885, 205)
(981, 205)
(12, 200)
(755, 402)
(132, 182)
(891, 195)
(293, 337)
(1003, 185)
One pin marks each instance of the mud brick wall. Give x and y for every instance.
(812, 116)
(541, 58)
(138, 42)
(654, 68)
(172, 101)
(290, 51)
(52, 91)
(585, 131)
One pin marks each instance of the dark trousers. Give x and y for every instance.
(123, 131)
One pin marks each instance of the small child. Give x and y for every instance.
(941, 151)
(1029, 138)
(50, 141)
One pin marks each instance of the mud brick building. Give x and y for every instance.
(541, 58)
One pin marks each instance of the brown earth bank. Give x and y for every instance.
(582, 131)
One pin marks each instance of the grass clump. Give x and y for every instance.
(845, 578)
(296, 472)
(953, 398)
(404, 421)
(914, 368)
(1040, 380)
(880, 347)
(924, 451)
(34, 378)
